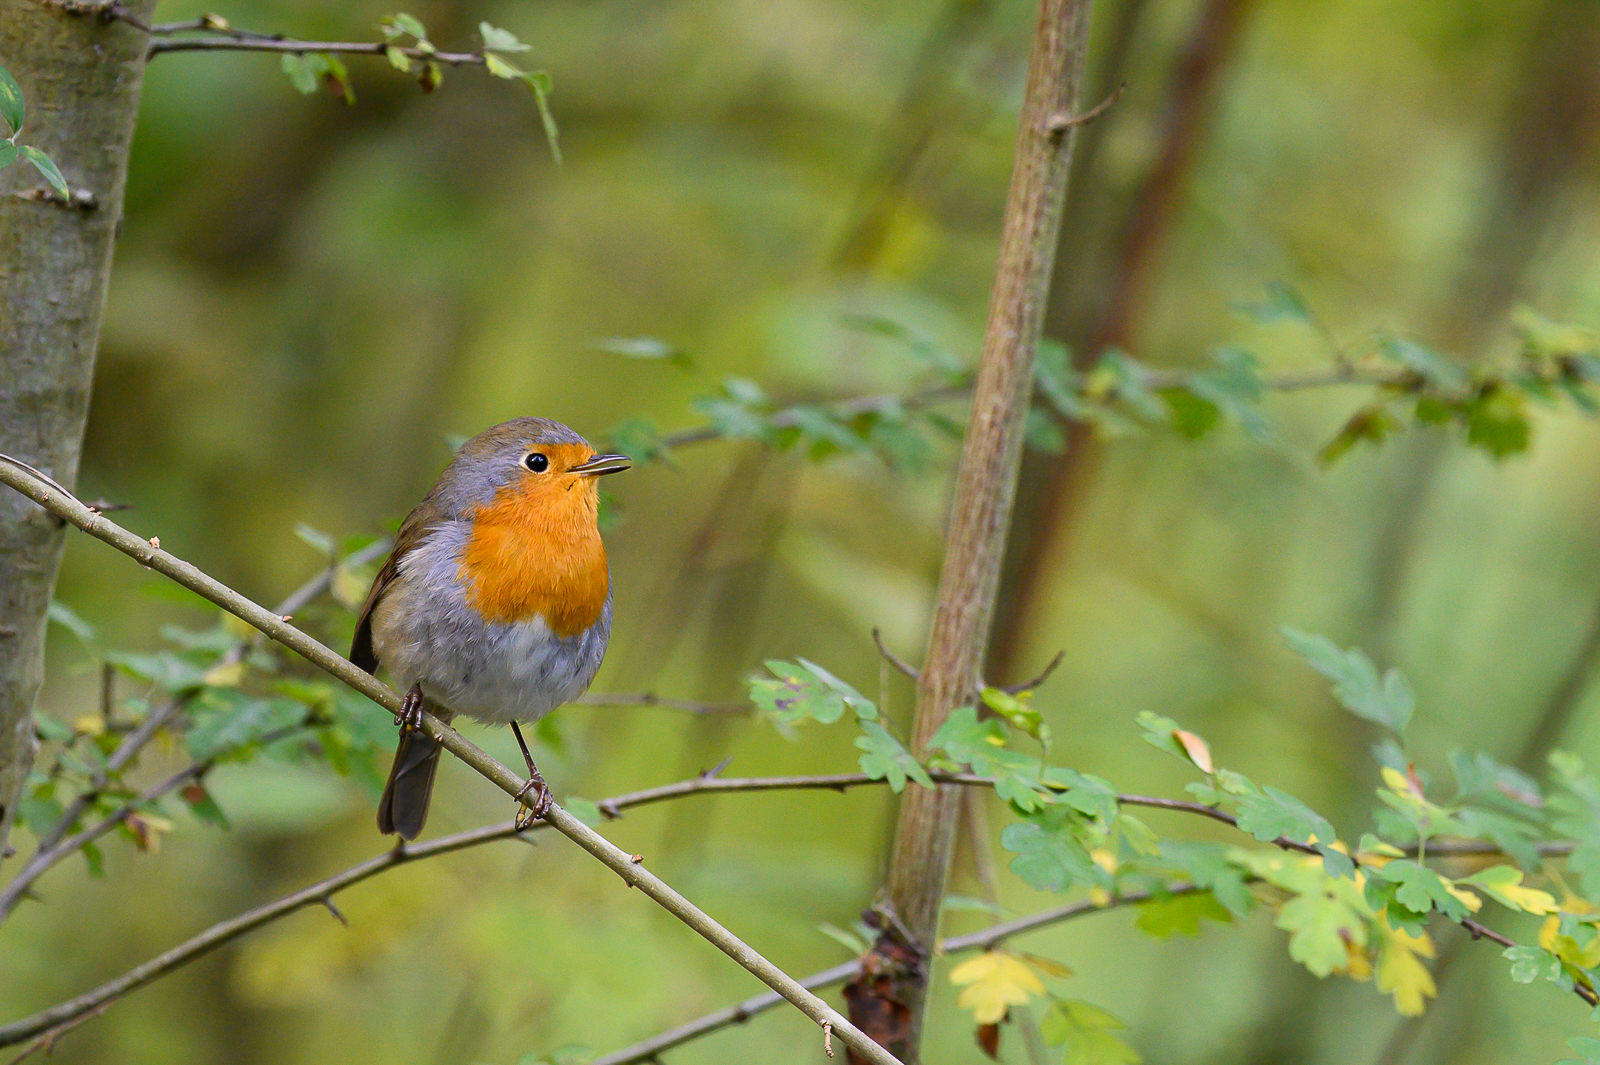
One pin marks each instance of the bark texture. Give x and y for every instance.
(80, 76)
(987, 478)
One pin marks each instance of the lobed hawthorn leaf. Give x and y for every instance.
(1479, 776)
(1372, 424)
(1400, 971)
(1164, 917)
(981, 745)
(1085, 1031)
(1160, 732)
(1497, 422)
(1387, 701)
(1234, 388)
(1090, 795)
(1049, 855)
(1532, 963)
(1504, 884)
(230, 723)
(1019, 711)
(993, 982)
(1421, 890)
(885, 758)
(1320, 924)
(1207, 866)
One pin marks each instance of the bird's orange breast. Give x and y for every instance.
(535, 551)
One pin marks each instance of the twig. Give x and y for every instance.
(64, 505)
(1059, 123)
(893, 659)
(56, 845)
(1044, 675)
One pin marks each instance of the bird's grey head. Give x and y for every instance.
(503, 454)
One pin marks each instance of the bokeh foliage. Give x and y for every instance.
(311, 298)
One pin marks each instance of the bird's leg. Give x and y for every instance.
(410, 715)
(527, 815)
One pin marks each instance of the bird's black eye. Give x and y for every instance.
(537, 462)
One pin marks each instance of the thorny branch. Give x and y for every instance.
(55, 499)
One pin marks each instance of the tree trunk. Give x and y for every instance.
(987, 478)
(80, 76)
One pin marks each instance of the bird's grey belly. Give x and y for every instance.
(518, 671)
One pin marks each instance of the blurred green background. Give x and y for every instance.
(310, 299)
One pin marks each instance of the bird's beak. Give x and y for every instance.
(600, 465)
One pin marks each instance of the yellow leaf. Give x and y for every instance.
(1104, 859)
(1503, 884)
(1396, 780)
(88, 725)
(1400, 970)
(225, 674)
(1360, 966)
(1566, 947)
(995, 982)
(1468, 899)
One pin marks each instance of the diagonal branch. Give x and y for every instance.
(65, 506)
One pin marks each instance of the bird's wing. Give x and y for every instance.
(417, 525)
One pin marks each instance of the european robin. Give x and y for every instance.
(494, 603)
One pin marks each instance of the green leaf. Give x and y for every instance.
(1207, 865)
(1438, 372)
(39, 812)
(405, 23)
(847, 939)
(1049, 855)
(162, 668)
(1234, 387)
(300, 72)
(337, 78)
(885, 758)
(1421, 889)
(539, 82)
(68, 619)
(1270, 813)
(1161, 732)
(1319, 924)
(12, 107)
(1056, 379)
(1356, 685)
(981, 745)
(1280, 302)
(319, 542)
(1164, 917)
(237, 722)
(1587, 1049)
(1019, 711)
(1090, 795)
(1504, 884)
(398, 59)
(1042, 433)
(203, 806)
(637, 439)
(1532, 963)
(47, 168)
(805, 689)
(643, 348)
(1086, 1033)
(499, 40)
(1372, 424)
(1190, 415)
(1497, 422)
(500, 68)
(8, 154)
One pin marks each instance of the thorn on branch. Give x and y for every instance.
(328, 902)
(893, 659)
(1056, 126)
(715, 771)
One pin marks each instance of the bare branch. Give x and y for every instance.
(64, 505)
(893, 659)
(1044, 675)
